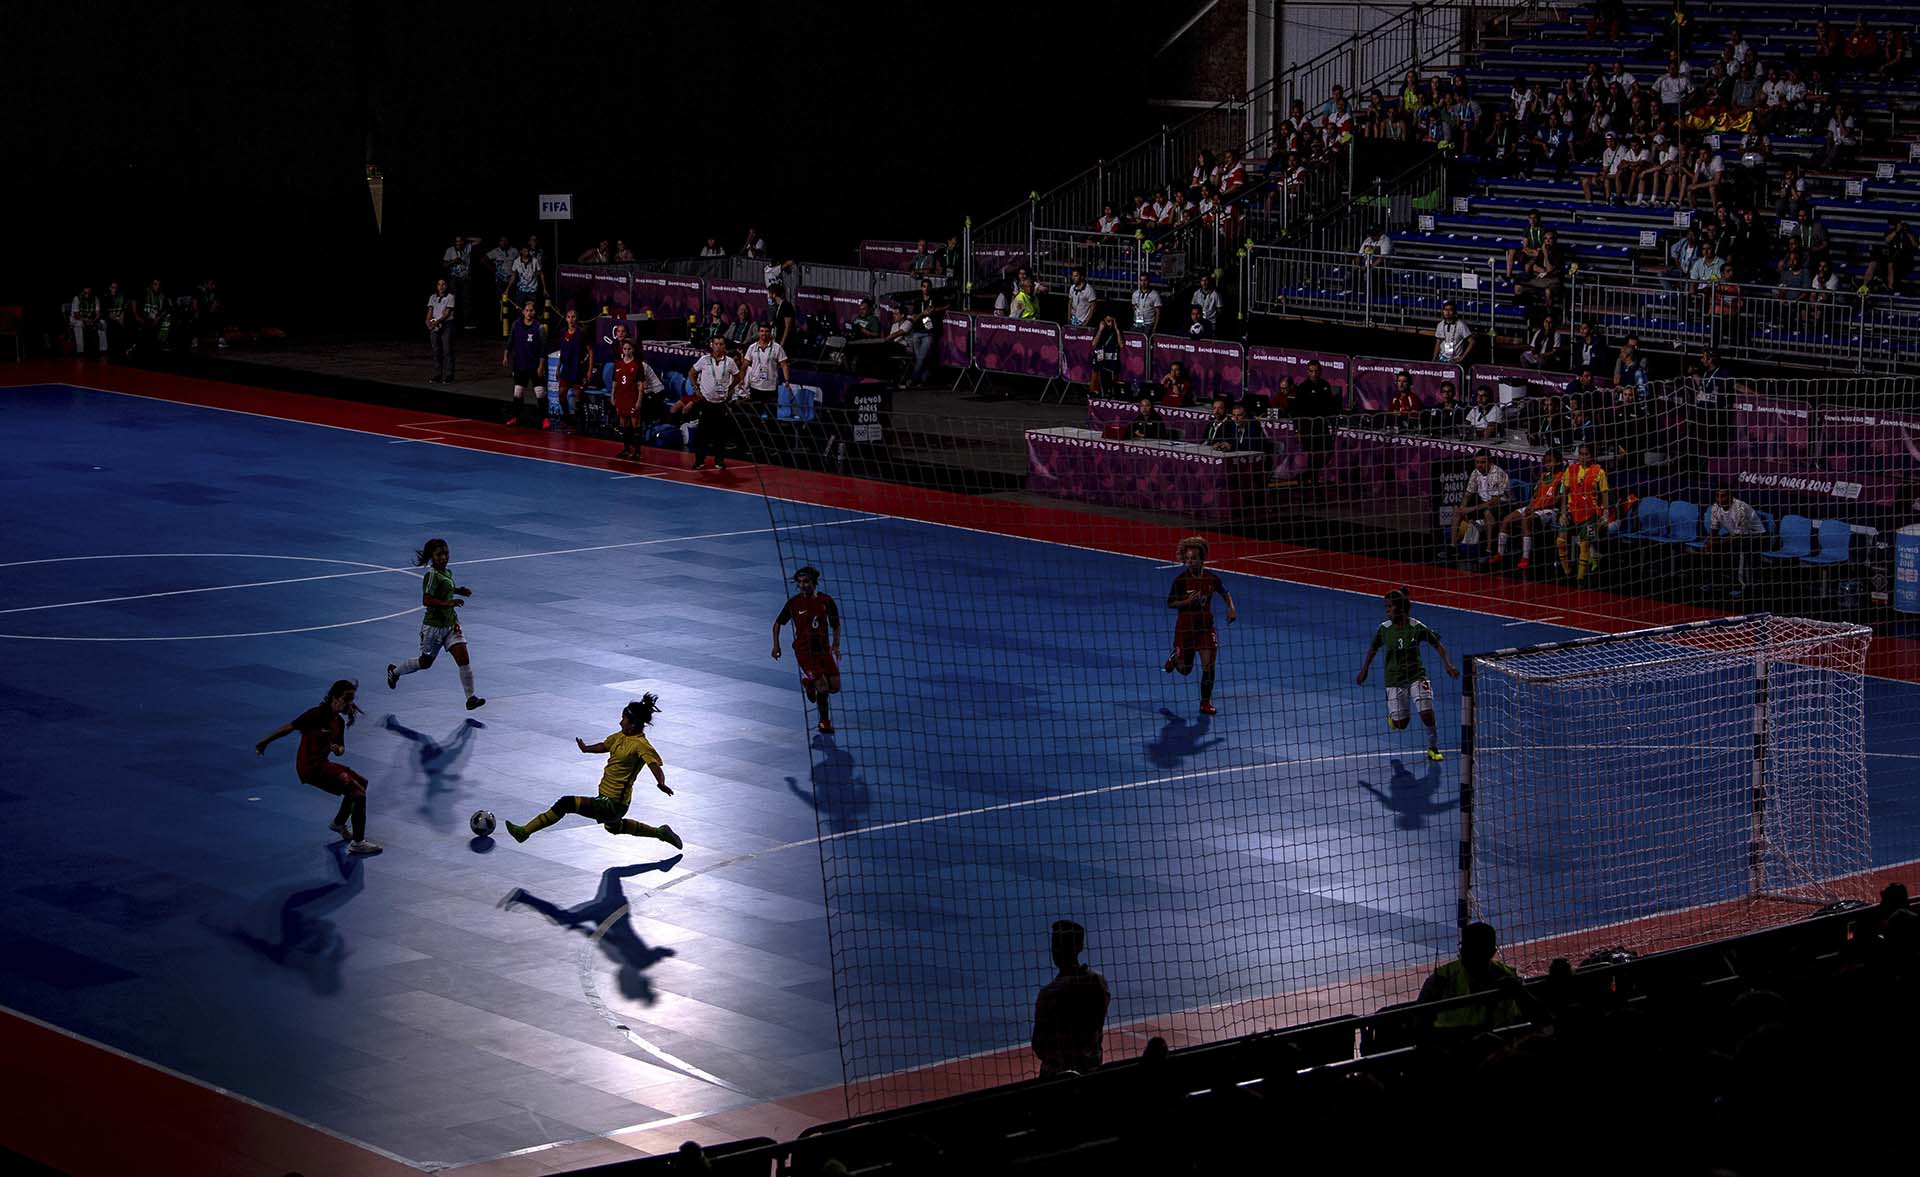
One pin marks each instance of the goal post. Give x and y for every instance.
(1663, 786)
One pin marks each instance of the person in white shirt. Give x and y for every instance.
(1375, 245)
(1452, 338)
(1146, 306)
(716, 381)
(1609, 162)
(1108, 222)
(1732, 531)
(1081, 299)
(1672, 87)
(1626, 168)
(712, 248)
(1621, 77)
(502, 256)
(1482, 503)
(1661, 174)
(440, 331)
(754, 246)
(1737, 48)
(1708, 169)
(1485, 417)
(457, 260)
(1207, 301)
(767, 367)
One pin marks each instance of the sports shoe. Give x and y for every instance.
(339, 826)
(826, 727)
(364, 847)
(510, 899)
(1524, 564)
(519, 832)
(1169, 665)
(1434, 755)
(1494, 560)
(670, 838)
(1208, 709)
(393, 676)
(474, 701)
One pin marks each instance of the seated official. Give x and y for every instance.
(1148, 425)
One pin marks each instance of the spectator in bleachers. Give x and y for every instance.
(1146, 306)
(1843, 135)
(1547, 272)
(1107, 222)
(1070, 1015)
(1636, 155)
(1672, 88)
(741, 331)
(1584, 389)
(1892, 258)
(1896, 56)
(1862, 47)
(1486, 420)
(754, 245)
(621, 253)
(1630, 366)
(1453, 340)
(1476, 971)
(1707, 170)
(1607, 176)
(1793, 193)
(1732, 532)
(1147, 423)
(1082, 299)
(599, 255)
(1589, 349)
(714, 325)
(1706, 268)
(1546, 345)
(1482, 505)
(1207, 301)
(1661, 181)
(1552, 142)
(712, 248)
(1811, 234)
(1796, 275)
(1824, 283)
(1448, 417)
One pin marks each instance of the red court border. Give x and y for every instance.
(138, 1111)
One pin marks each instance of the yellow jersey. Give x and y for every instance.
(1584, 486)
(625, 755)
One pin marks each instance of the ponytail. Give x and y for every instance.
(424, 555)
(339, 688)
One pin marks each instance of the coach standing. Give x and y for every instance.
(716, 380)
(767, 368)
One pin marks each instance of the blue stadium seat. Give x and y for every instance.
(1683, 524)
(1796, 539)
(1836, 544)
(1650, 520)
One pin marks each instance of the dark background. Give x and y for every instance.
(232, 141)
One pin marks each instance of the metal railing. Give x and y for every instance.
(1107, 258)
(1839, 330)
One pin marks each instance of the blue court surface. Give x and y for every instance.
(180, 581)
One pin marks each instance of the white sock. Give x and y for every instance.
(466, 680)
(407, 667)
(1501, 545)
(1526, 547)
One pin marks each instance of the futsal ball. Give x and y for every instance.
(481, 823)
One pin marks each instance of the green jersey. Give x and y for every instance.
(1402, 644)
(439, 584)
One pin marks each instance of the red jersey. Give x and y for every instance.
(813, 618)
(626, 386)
(320, 729)
(1199, 613)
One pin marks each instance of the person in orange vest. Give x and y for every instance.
(1583, 509)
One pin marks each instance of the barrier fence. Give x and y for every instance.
(1841, 329)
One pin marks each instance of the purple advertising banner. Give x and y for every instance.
(589, 289)
(837, 307)
(994, 261)
(1022, 347)
(1218, 366)
(1865, 457)
(892, 255)
(1373, 382)
(731, 294)
(1151, 475)
(668, 296)
(1076, 355)
(1191, 422)
(1133, 357)
(1537, 382)
(1273, 371)
(956, 341)
(1390, 478)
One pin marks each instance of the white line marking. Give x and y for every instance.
(591, 984)
(1533, 621)
(364, 569)
(212, 637)
(412, 440)
(427, 424)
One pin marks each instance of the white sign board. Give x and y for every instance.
(1426, 222)
(1469, 280)
(1648, 239)
(1856, 187)
(1913, 150)
(1682, 217)
(1883, 172)
(557, 207)
(1459, 204)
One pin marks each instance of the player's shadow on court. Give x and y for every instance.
(1410, 798)
(1180, 741)
(436, 766)
(839, 793)
(620, 942)
(307, 942)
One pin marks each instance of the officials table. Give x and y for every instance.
(1150, 475)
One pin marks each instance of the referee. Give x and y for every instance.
(716, 379)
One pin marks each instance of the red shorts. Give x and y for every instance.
(1194, 634)
(815, 664)
(624, 404)
(333, 778)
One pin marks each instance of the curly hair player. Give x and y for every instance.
(1400, 635)
(814, 615)
(1192, 594)
(440, 628)
(323, 731)
(626, 750)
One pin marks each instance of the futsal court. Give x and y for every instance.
(181, 579)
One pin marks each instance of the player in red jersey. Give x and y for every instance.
(323, 731)
(813, 614)
(626, 399)
(1192, 594)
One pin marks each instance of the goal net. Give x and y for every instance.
(1664, 786)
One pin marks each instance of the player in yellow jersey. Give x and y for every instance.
(1583, 511)
(626, 749)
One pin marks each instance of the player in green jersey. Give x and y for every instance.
(440, 628)
(1400, 636)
